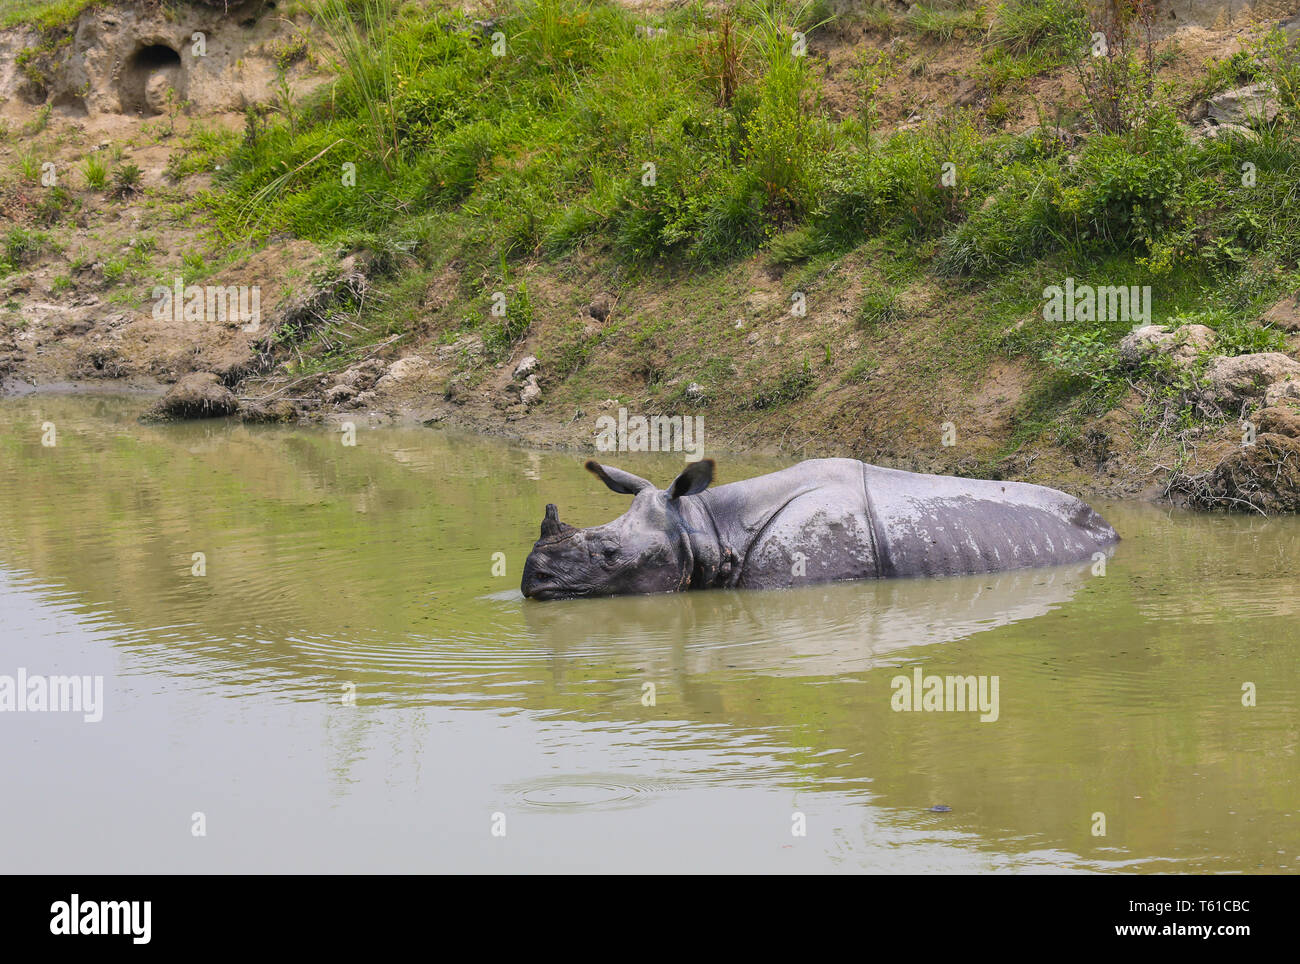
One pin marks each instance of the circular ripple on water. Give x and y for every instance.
(573, 793)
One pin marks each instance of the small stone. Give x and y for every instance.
(1285, 392)
(1239, 377)
(1286, 313)
(1184, 344)
(1252, 104)
(1278, 421)
(276, 410)
(532, 392)
(407, 369)
(526, 367)
(1213, 130)
(340, 393)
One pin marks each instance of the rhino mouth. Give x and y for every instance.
(543, 591)
(540, 583)
(544, 594)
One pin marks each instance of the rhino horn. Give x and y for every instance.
(552, 527)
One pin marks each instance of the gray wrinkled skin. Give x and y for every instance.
(824, 520)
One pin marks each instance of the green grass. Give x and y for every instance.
(878, 308)
(792, 384)
(127, 180)
(1027, 38)
(1057, 27)
(95, 170)
(42, 13)
(203, 151)
(942, 24)
(546, 147)
(21, 246)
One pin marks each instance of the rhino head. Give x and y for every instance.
(646, 550)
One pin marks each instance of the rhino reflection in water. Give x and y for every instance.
(824, 520)
(822, 630)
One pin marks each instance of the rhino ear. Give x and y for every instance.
(693, 480)
(619, 481)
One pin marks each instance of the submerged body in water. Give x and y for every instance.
(823, 520)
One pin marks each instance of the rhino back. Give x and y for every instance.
(930, 525)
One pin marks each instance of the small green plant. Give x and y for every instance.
(95, 170)
(29, 165)
(998, 112)
(862, 369)
(1088, 356)
(22, 246)
(174, 106)
(1242, 67)
(289, 52)
(503, 332)
(1234, 334)
(722, 51)
(1281, 64)
(115, 270)
(193, 266)
(870, 72)
(1119, 80)
(54, 204)
(879, 307)
(791, 385)
(39, 122)
(127, 180)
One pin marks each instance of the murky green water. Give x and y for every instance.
(333, 570)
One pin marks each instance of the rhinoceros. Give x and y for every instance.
(823, 520)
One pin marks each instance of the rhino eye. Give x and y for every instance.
(611, 552)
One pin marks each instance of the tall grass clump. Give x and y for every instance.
(1054, 27)
(95, 170)
(370, 68)
(943, 22)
